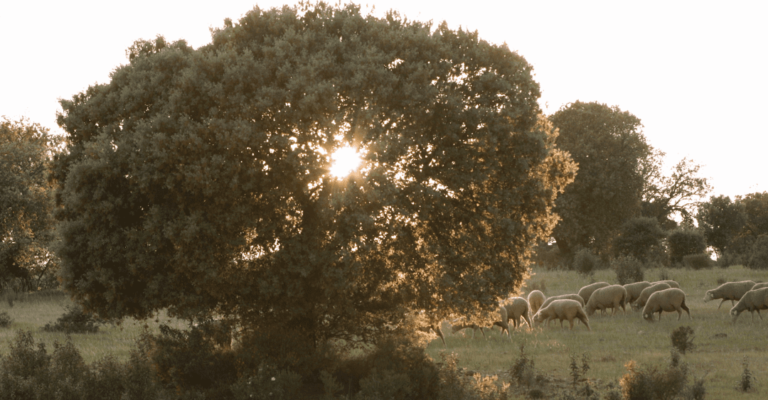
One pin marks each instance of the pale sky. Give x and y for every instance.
(694, 72)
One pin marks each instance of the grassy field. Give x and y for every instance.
(721, 347)
(33, 311)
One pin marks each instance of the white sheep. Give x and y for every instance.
(672, 299)
(587, 291)
(647, 292)
(753, 300)
(634, 290)
(515, 308)
(549, 300)
(535, 299)
(562, 309)
(670, 282)
(612, 296)
(760, 285)
(729, 291)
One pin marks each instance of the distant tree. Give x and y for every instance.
(609, 148)
(198, 179)
(721, 221)
(638, 237)
(678, 194)
(26, 200)
(683, 242)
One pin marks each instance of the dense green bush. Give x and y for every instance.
(758, 259)
(628, 270)
(75, 320)
(5, 320)
(28, 372)
(682, 338)
(584, 262)
(638, 237)
(683, 242)
(698, 261)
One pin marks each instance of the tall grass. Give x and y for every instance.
(720, 346)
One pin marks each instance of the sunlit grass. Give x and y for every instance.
(720, 345)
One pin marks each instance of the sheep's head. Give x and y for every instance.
(708, 296)
(537, 318)
(648, 317)
(734, 313)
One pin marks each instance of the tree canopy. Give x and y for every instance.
(25, 198)
(665, 197)
(198, 179)
(609, 147)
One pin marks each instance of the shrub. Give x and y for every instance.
(628, 270)
(698, 261)
(682, 338)
(758, 258)
(29, 372)
(5, 320)
(522, 371)
(683, 242)
(638, 237)
(74, 321)
(746, 383)
(651, 384)
(190, 362)
(584, 262)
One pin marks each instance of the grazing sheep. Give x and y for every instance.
(562, 297)
(672, 299)
(760, 285)
(613, 296)
(515, 308)
(753, 300)
(729, 291)
(518, 307)
(562, 309)
(464, 325)
(634, 289)
(587, 291)
(669, 282)
(535, 299)
(647, 292)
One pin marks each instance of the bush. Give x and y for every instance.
(683, 242)
(682, 338)
(698, 261)
(29, 372)
(758, 258)
(5, 320)
(638, 237)
(190, 362)
(584, 262)
(628, 270)
(74, 321)
(746, 383)
(652, 384)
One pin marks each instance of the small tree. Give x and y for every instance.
(758, 258)
(683, 242)
(628, 270)
(638, 237)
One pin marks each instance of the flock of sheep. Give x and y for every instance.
(651, 297)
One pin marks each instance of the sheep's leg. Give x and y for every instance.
(758, 314)
(721, 303)
(571, 321)
(684, 307)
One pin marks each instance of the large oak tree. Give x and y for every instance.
(198, 179)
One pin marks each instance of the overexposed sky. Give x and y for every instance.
(695, 73)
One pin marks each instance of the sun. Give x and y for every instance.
(345, 160)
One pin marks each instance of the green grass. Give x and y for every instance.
(33, 311)
(616, 340)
